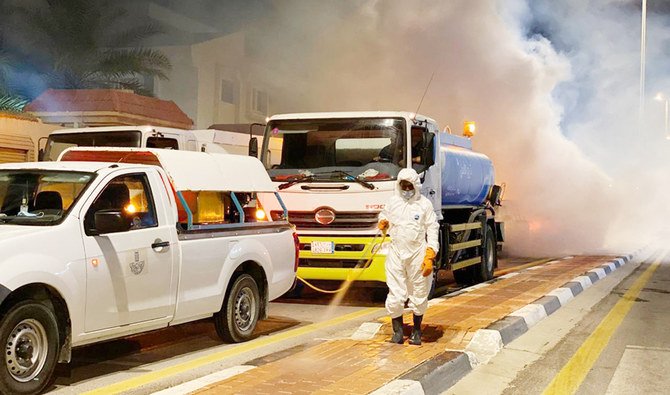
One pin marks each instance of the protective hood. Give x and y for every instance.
(411, 176)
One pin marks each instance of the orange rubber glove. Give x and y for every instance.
(383, 225)
(427, 264)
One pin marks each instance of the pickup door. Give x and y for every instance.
(130, 272)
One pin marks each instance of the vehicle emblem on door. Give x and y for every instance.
(325, 216)
(137, 265)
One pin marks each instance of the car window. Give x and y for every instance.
(217, 207)
(129, 195)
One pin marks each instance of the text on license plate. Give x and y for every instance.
(323, 247)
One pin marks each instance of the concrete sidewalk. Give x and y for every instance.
(460, 331)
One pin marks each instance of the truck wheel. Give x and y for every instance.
(239, 314)
(379, 293)
(433, 285)
(463, 276)
(29, 334)
(484, 271)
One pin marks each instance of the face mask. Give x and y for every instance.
(407, 194)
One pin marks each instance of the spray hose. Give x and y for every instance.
(349, 279)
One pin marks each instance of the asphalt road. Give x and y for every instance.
(612, 339)
(186, 352)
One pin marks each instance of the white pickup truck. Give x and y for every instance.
(91, 251)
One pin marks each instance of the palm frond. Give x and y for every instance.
(127, 62)
(133, 36)
(14, 104)
(79, 44)
(129, 83)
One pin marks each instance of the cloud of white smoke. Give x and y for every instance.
(556, 112)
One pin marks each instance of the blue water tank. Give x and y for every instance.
(467, 176)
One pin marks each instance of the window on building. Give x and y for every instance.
(227, 91)
(259, 101)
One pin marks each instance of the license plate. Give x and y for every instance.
(323, 247)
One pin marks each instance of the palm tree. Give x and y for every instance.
(80, 44)
(9, 101)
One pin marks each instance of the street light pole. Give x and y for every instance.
(643, 50)
(667, 136)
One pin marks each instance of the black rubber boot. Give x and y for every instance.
(415, 338)
(397, 330)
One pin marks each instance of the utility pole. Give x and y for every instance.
(643, 50)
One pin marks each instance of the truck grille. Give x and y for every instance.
(338, 247)
(343, 220)
(332, 263)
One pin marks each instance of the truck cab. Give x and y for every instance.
(335, 172)
(117, 136)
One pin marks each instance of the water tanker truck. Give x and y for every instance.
(336, 171)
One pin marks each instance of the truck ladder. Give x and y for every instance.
(455, 247)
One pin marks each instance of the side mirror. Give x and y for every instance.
(253, 147)
(41, 147)
(107, 221)
(495, 196)
(428, 154)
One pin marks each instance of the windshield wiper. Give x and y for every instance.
(296, 180)
(350, 177)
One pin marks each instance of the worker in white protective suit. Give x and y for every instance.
(412, 225)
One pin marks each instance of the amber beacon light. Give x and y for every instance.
(469, 128)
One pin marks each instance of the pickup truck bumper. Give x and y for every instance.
(340, 264)
(4, 292)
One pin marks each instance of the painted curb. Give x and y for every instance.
(443, 371)
(440, 372)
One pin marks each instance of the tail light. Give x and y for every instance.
(296, 242)
(260, 215)
(258, 212)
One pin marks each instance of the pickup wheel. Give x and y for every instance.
(29, 336)
(240, 311)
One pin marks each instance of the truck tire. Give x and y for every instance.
(240, 311)
(463, 276)
(484, 271)
(30, 340)
(433, 284)
(379, 294)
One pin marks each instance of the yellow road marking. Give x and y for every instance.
(524, 266)
(568, 380)
(242, 348)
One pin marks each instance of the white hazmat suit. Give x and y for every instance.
(413, 227)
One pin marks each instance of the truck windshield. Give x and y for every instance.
(39, 197)
(370, 149)
(57, 143)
